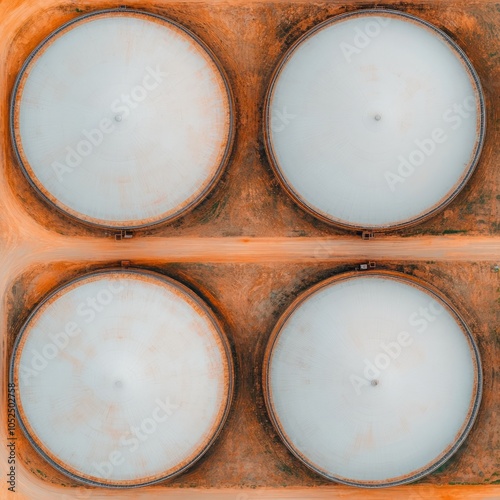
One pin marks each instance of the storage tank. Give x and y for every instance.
(123, 378)
(372, 379)
(374, 120)
(122, 119)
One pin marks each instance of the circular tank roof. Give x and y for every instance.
(122, 119)
(372, 380)
(123, 378)
(374, 120)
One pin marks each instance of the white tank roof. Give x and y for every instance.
(372, 380)
(374, 119)
(123, 378)
(122, 119)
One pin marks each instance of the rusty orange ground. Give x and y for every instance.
(248, 250)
